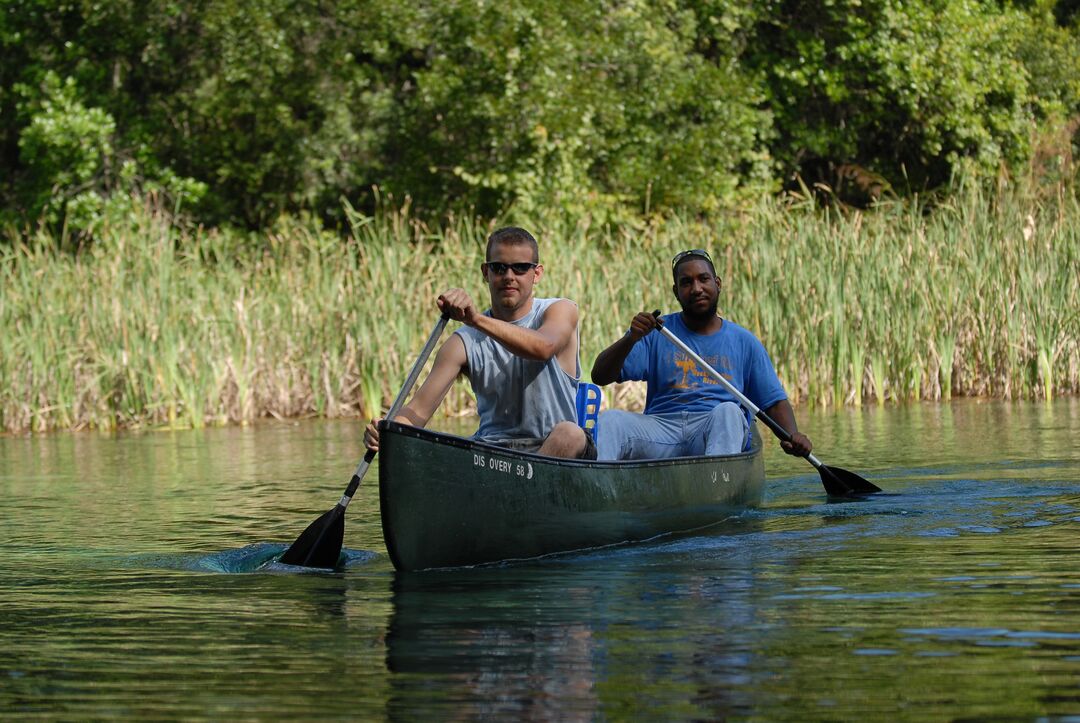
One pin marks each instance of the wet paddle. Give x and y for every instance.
(838, 482)
(320, 544)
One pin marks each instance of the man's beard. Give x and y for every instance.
(702, 316)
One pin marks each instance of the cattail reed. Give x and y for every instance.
(158, 323)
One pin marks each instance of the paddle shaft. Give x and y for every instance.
(320, 544)
(753, 408)
(399, 402)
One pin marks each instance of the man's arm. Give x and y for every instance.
(555, 334)
(784, 415)
(609, 362)
(450, 361)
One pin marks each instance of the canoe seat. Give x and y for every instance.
(589, 397)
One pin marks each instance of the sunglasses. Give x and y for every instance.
(692, 252)
(499, 268)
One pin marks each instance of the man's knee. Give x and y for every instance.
(565, 433)
(611, 432)
(727, 411)
(728, 429)
(612, 418)
(567, 439)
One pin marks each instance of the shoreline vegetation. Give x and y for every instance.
(159, 323)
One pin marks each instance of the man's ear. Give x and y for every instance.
(538, 271)
(675, 291)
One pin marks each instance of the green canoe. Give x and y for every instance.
(449, 501)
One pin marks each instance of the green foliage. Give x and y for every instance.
(72, 175)
(67, 145)
(1051, 55)
(574, 105)
(916, 88)
(242, 112)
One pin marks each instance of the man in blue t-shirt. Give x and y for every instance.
(687, 412)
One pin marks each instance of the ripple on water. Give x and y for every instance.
(349, 558)
(993, 636)
(981, 529)
(258, 557)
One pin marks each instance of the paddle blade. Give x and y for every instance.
(320, 544)
(841, 483)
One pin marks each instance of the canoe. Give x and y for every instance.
(449, 501)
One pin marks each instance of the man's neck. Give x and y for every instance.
(511, 315)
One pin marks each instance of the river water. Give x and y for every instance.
(133, 584)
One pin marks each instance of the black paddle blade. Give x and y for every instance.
(841, 483)
(320, 544)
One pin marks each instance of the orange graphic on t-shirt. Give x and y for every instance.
(694, 376)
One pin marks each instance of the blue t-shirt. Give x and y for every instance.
(677, 384)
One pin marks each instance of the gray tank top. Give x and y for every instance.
(518, 398)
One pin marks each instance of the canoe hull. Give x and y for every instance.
(447, 501)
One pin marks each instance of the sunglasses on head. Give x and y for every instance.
(499, 268)
(692, 252)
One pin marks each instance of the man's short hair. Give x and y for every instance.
(513, 236)
(689, 255)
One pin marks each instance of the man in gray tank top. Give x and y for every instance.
(520, 356)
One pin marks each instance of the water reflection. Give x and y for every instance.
(571, 636)
(575, 649)
(138, 581)
(467, 632)
(915, 436)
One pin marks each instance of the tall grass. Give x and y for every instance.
(158, 323)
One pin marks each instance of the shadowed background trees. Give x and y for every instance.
(239, 113)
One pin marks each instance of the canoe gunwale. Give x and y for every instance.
(476, 445)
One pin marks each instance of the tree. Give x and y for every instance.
(913, 88)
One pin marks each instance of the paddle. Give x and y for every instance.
(838, 482)
(320, 544)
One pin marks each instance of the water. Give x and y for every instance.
(133, 584)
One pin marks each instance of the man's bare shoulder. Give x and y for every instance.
(562, 308)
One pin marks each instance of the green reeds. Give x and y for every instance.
(157, 323)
